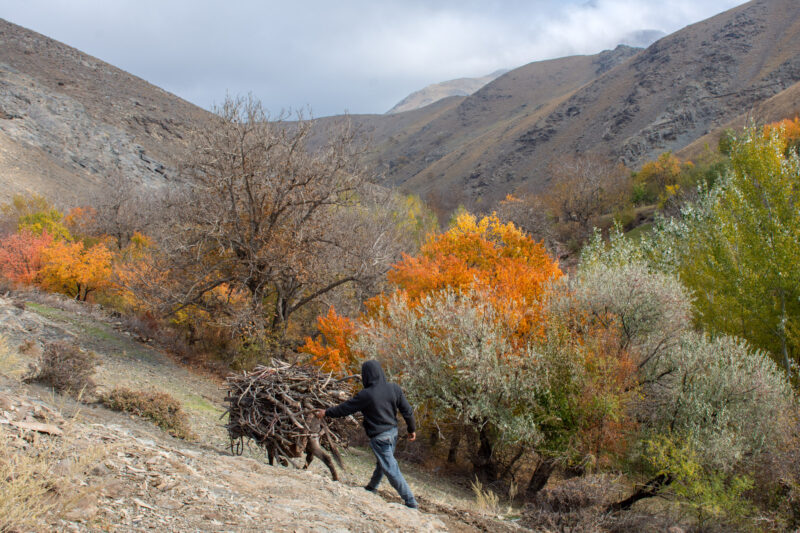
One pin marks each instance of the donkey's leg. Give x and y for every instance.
(316, 450)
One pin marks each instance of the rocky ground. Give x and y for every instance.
(113, 472)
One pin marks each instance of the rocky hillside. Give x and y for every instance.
(115, 472)
(406, 147)
(68, 120)
(785, 104)
(627, 104)
(438, 91)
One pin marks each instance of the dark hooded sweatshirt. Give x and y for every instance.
(379, 402)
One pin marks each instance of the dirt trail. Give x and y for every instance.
(139, 478)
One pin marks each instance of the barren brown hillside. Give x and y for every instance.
(685, 85)
(408, 146)
(68, 120)
(785, 104)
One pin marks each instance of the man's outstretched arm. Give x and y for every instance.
(351, 406)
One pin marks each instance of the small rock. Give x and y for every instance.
(213, 516)
(63, 467)
(85, 509)
(5, 403)
(114, 489)
(49, 429)
(140, 503)
(100, 470)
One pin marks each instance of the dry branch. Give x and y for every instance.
(274, 406)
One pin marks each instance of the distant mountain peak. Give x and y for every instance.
(439, 91)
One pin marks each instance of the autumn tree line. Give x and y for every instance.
(670, 356)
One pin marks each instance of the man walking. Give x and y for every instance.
(379, 402)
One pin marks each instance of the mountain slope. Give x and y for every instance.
(662, 98)
(455, 130)
(785, 104)
(68, 120)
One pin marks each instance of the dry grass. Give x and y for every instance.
(54, 300)
(578, 505)
(40, 478)
(485, 499)
(11, 365)
(574, 504)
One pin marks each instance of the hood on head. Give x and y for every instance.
(371, 373)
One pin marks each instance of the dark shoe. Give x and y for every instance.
(374, 491)
(413, 505)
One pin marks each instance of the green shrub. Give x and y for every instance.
(731, 401)
(727, 141)
(711, 495)
(66, 368)
(158, 407)
(456, 362)
(641, 194)
(708, 408)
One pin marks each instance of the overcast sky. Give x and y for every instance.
(333, 56)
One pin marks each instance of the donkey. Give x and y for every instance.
(310, 445)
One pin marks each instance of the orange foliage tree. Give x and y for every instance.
(789, 131)
(494, 258)
(497, 259)
(21, 256)
(334, 352)
(81, 220)
(75, 270)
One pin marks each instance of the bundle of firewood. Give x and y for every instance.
(274, 406)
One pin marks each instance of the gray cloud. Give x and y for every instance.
(361, 56)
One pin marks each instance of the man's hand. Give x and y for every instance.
(412, 436)
(319, 413)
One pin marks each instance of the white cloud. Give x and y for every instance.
(359, 55)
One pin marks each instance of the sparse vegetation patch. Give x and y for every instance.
(159, 407)
(66, 368)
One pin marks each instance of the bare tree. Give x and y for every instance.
(530, 214)
(124, 207)
(268, 218)
(584, 187)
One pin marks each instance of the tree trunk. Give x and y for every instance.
(455, 440)
(784, 347)
(433, 438)
(279, 318)
(510, 466)
(648, 490)
(541, 475)
(485, 466)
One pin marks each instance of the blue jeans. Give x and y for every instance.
(383, 446)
